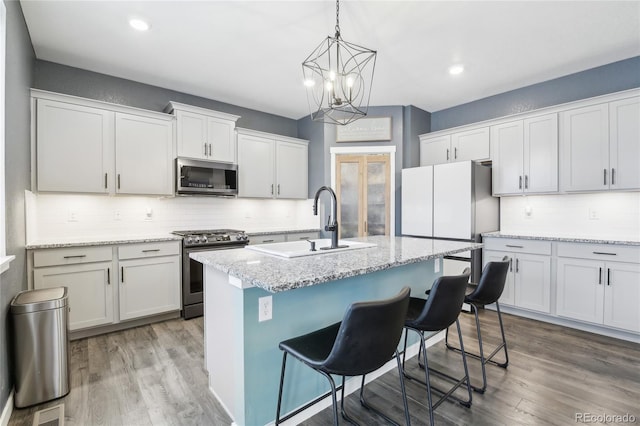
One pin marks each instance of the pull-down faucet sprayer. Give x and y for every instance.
(332, 222)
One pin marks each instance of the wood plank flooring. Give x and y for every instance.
(154, 375)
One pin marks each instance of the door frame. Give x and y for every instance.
(391, 150)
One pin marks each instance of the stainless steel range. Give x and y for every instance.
(192, 271)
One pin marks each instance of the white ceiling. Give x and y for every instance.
(249, 53)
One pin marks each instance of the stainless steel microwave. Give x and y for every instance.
(206, 177)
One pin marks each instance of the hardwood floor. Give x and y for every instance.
(154, 375)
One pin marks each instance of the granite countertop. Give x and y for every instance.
(282, 231)
(276, 274)
(565, 238)
(101, 241)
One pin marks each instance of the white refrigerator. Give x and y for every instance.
(450, 201)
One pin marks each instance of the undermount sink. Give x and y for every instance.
(302, 248)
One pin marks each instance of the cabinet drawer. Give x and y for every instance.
(267, 239)
(135, 251)
(607, 252)
(518, 246)
(297, 236)
(71, 255)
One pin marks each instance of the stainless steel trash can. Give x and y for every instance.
(41, 345)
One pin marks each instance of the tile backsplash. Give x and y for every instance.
(607, 214)
(64, 216)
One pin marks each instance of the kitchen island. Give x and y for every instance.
(253, 301)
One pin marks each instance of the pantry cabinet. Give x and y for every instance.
(601, 146)
(525, 156)
(466, 145)
(599, 284)
(272, 166)
(86, 146)
(204, 134)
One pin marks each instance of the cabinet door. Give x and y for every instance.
(470, 145)
(255, 167)
(221, 139)
(435, 150)
(622, 296)
(149, 286)
(90, 291)
(73, 147)
(507, 156)
(417, 201)
(580, 289)
(585, 148)
(291, 170)
(508, 294)
(144, 155)
(624, 143)
(541, 154)
(533, 282)
(192, 135)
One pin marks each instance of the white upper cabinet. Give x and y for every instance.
(601, 146)
(624, 143)
(460, 146)
(525, 156)
(87, 146)
(144, 148)
(204, 134)
(74, 145)
(271, 166)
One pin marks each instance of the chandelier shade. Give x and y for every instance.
(338, 76)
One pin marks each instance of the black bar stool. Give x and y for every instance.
(437, 313)
(364, 341)
(486, 292)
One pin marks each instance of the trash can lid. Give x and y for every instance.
(39, 300)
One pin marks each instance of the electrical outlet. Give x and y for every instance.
(593, 214)
(148, 214)
(73, 216)
(528, 211)
(117, 215)
(265, 305)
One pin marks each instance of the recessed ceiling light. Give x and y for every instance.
(456, 69)
(139, 24)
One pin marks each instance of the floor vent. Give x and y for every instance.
(52, 416)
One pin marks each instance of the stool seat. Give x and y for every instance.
(313, 348)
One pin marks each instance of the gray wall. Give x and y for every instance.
(19, 77)
(87, 84)
(313, 131)
(416, 122)
(609, 78)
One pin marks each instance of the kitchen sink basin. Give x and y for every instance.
(302, 248)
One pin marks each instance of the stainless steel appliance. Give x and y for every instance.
(192, 271)
(206, 177)
(450, 201)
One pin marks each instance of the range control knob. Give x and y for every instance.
(189, 240)
(196, 240)
(204, 239)
(238, 237)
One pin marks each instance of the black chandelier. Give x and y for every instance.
(338, 76)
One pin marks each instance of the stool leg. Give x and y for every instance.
(504, 340)
(342, 410)
(482, 359)
(404, 390)
(464, 363)
(333, 395)
(284, 363)
(423, 347)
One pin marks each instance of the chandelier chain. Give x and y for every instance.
(337, 18)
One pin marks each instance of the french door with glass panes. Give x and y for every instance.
(363, 191)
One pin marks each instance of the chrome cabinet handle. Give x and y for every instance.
(510, 265)
(608, 276)
(605, 253)
(447, 154)
(108, 276)
(267, 241)
(105, 181)
(122, 274)
(526, 181)
(599, 275)
(605, 177)
(519, 182)
(75, 256)
(517, 265)
(455, 153)
(150, 250)
(210, 150)
(613, 176)
(278, 189)
(271, 189)
(509, 245)
(205, 149)
(118, 180)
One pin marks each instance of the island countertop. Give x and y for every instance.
(275, 274)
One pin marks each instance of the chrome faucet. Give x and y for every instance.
(332, 226)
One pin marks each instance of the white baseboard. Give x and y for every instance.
(7, 410)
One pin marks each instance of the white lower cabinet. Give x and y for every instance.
(599, 291)
(148, 286)
(108, 284)
(528, 283)
(89, 288)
